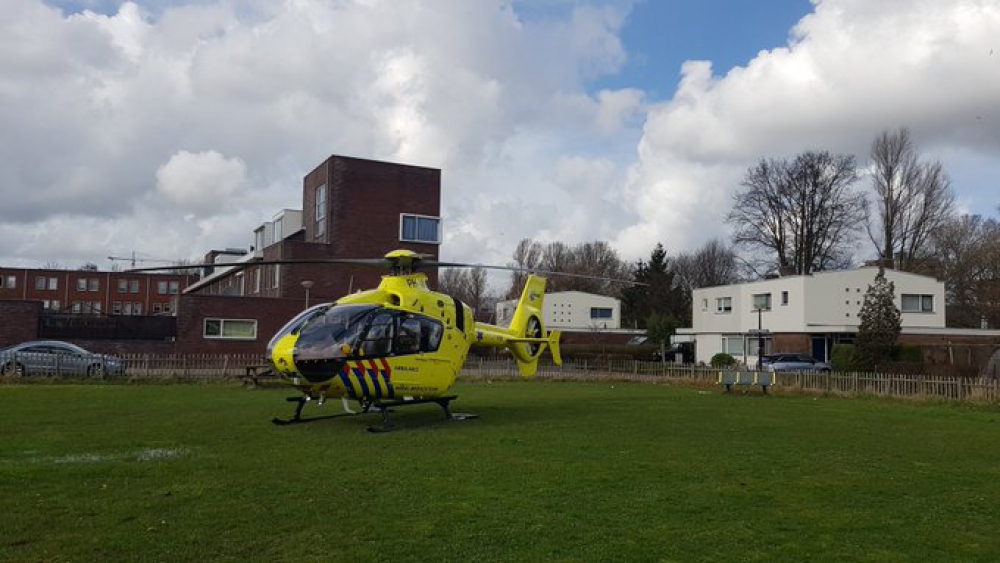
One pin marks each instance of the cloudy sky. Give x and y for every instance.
(171, 127)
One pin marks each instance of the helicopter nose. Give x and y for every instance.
(319, 370)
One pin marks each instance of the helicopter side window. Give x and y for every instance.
(430, 334)
(408, 337)
(378, 340)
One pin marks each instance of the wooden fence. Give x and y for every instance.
(953, 388)
(187, 366)
(193, 366)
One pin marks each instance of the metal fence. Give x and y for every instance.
(101, 327)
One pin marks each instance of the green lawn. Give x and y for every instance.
(551, 472)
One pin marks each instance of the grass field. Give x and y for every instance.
(551, 472)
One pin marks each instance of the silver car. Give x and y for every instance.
(53, 357)
(793, 362)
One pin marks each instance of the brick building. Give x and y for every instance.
(86, 292)
(351, 208)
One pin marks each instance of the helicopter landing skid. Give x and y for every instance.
(384, 407)
(443, 402)
(297, 417)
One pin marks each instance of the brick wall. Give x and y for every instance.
(795, 343)
(271, 314)
(18, 321)
(365, 199)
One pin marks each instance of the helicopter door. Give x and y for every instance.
(378, 339)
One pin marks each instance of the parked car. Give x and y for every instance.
(53, 357)
(793, 362)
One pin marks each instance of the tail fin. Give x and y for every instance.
(528, 336)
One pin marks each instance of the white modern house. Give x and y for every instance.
(571, 310)
(807, 314)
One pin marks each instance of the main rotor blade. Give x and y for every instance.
(356, 261)
(431, 264)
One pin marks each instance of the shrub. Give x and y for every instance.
(722, 360)
(842, 357)
(911, 354)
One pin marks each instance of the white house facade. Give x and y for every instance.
(807, 313)
(571, 310)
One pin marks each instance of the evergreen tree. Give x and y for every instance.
(660, 294)
(659, 330)
(880, 325)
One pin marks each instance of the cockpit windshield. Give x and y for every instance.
(334, 333)
(295, 324)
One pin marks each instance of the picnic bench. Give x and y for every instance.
(258, 372)
(763, 378)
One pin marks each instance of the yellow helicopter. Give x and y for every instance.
(399, 344)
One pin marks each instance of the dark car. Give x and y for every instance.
(53, 357)
(793, 362)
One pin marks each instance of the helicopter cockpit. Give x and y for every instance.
(329, 335)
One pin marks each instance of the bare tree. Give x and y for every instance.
(802, 214)
(468, 286)
(912, 200)
(968, 249)
(595, 259)
(528, 254)
(711, 265)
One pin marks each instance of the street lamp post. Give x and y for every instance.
(760, 336)
(307, 284)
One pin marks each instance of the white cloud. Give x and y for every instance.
(209, 113)
(852, 68)
(201, 119)
(200, 182)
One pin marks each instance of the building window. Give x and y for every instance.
(8, 282)
(235, 329)
(732, 344)
(419, 228)
(94, 284)
(81, 284)
(917, 303)
(122, 286)
(116, 308)
(53, 284)
(161, 287)
(277, 276)
(128, 308)
(600, 312)
(723, 304)
(174, 287)
(321, 211)
(704, 304)
(40, 282)
(77, 307)
(56, 304)
(784, 298)
(133, 286)
(95, 307)
(137, 308)
(156, 308)
(762, 301)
